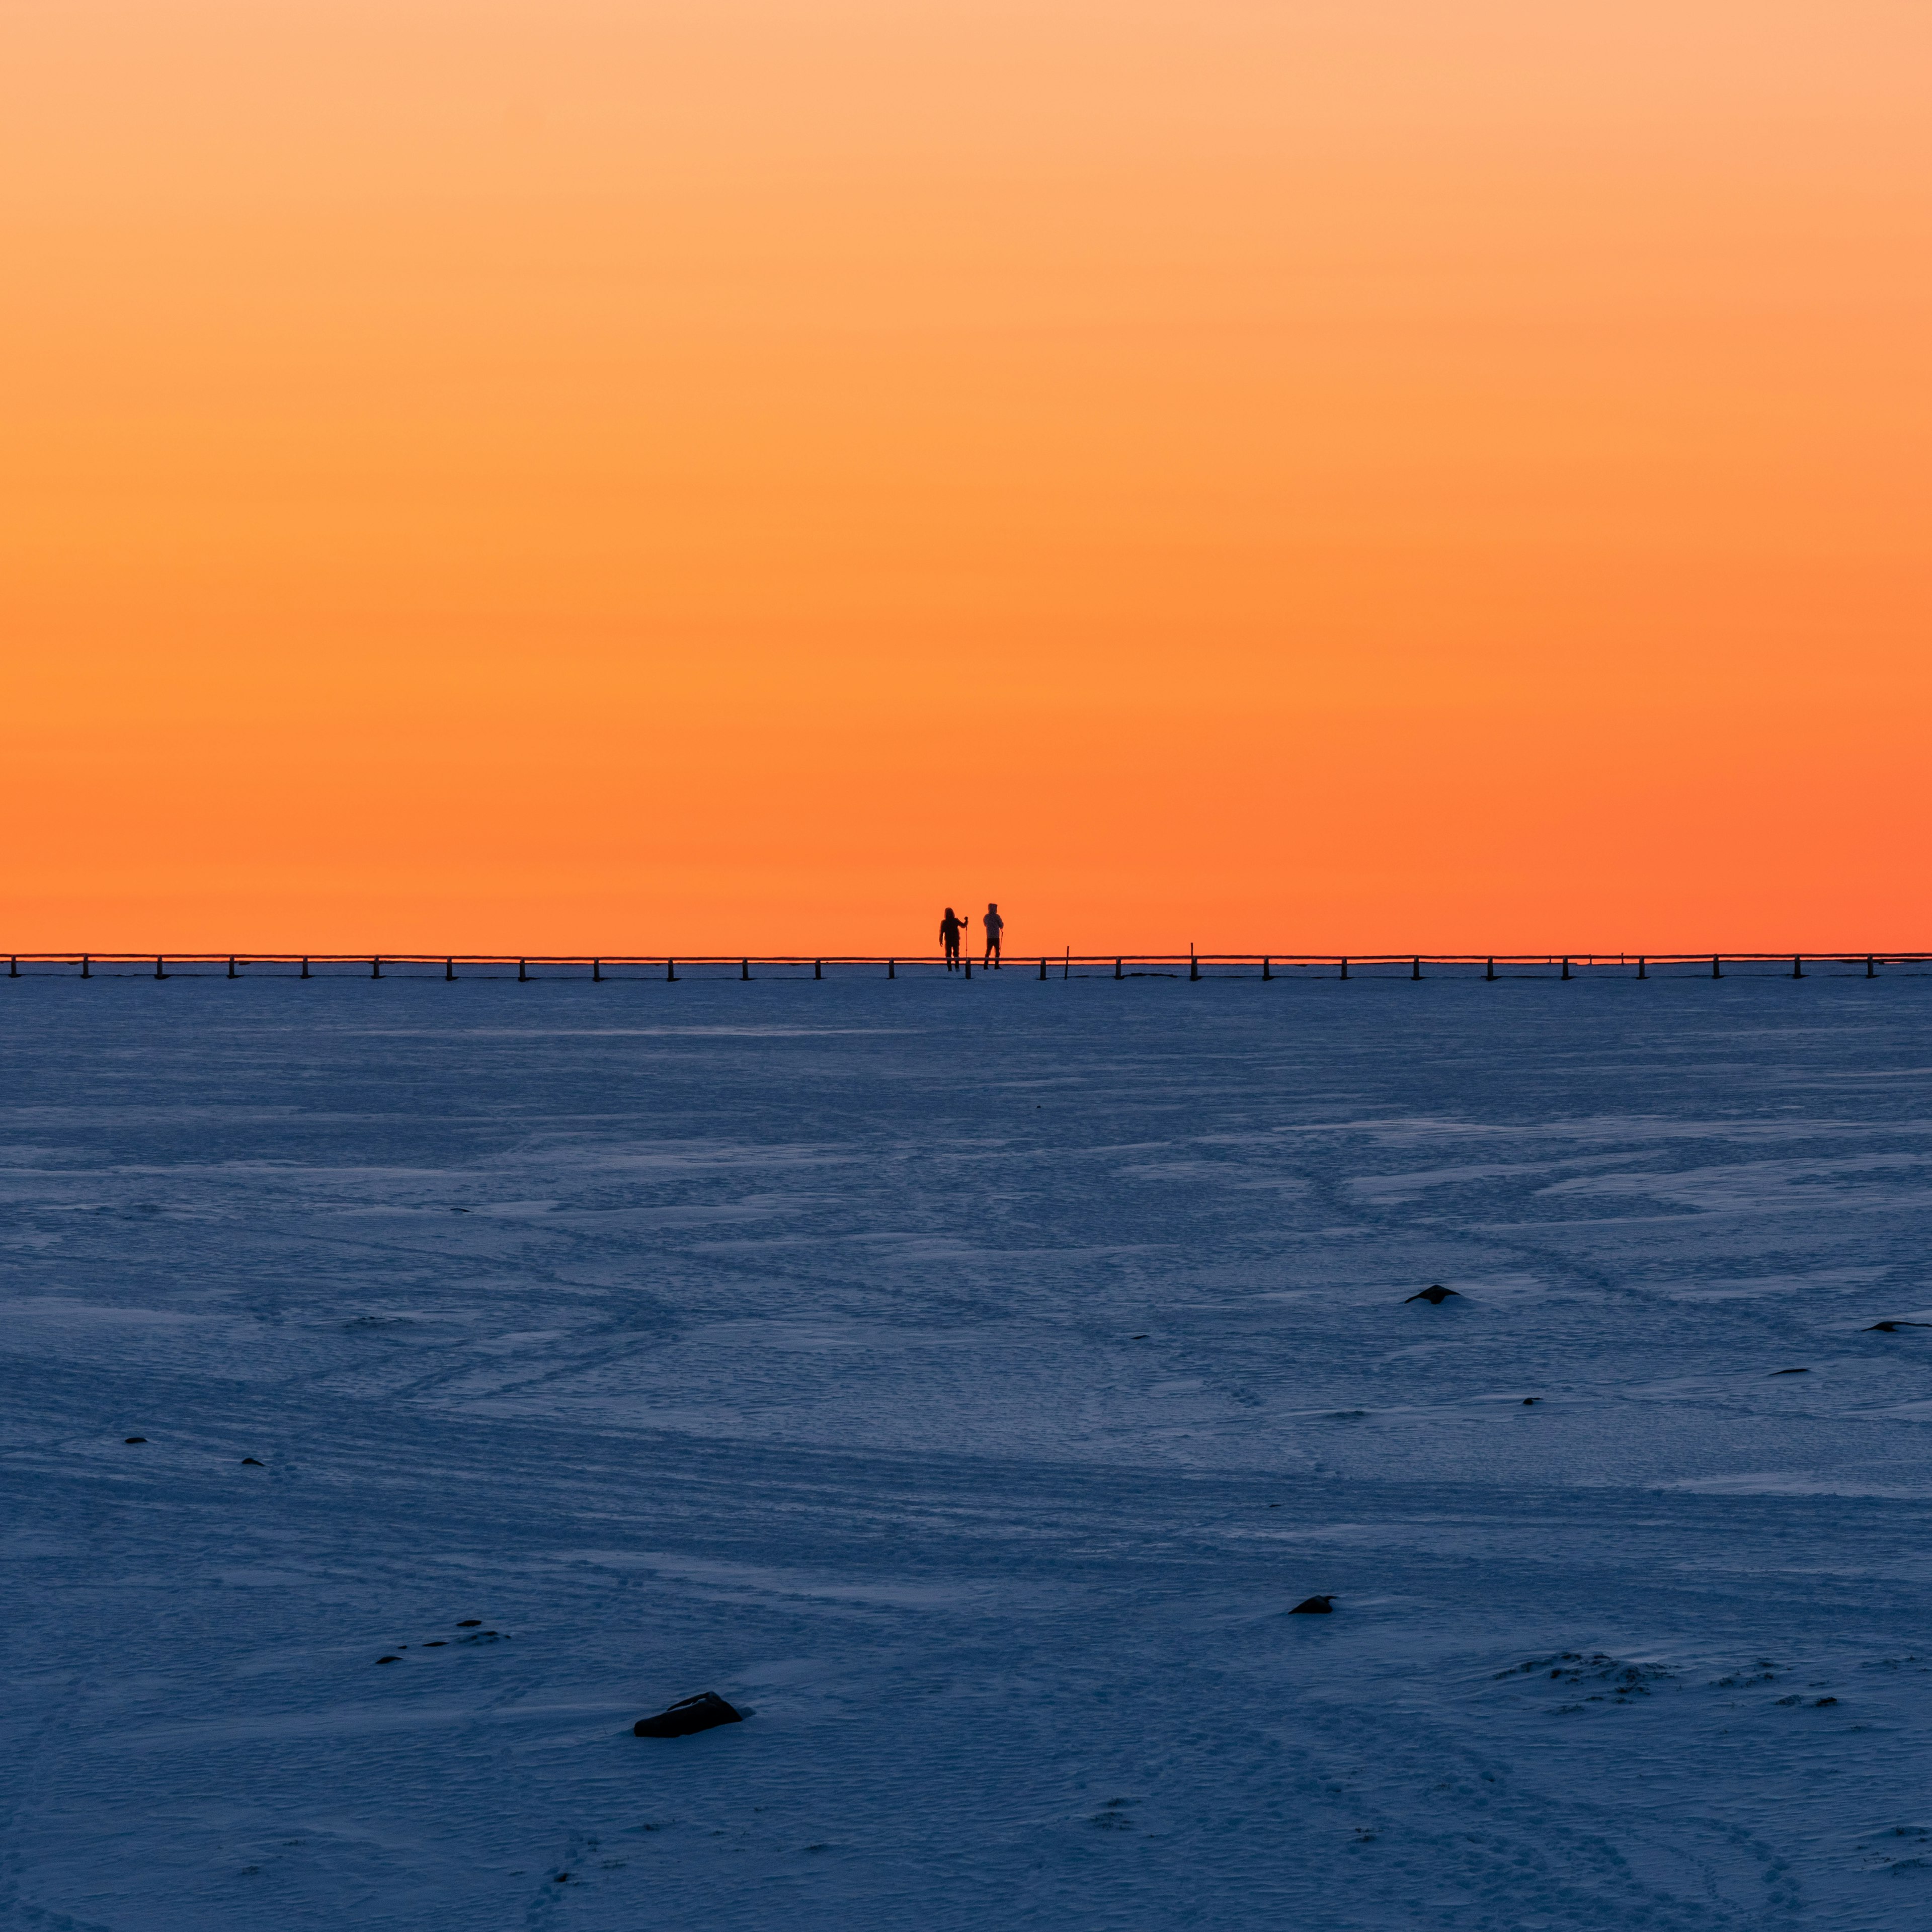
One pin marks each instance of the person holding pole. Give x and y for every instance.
(992, 925)
(950, 928)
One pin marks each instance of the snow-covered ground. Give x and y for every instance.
(966, 1379)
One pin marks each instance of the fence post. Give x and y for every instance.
(13, 966)
(597, 972)
(159, 972)
(1415, 972)
(966, 960)
(891, 969)
(232, 972)
(1345, 969)
(1067, 964)
(1265, 974)
(818, 969)
(522, 971)
(1797, 966)
(1717, 971)
(1566, 969)
(1193, 965)
(86, 967)
(1042, 966)
(1641, 974)
(1117, 973)
(1491, 973)
(376, 966)
(449, 967)
(305, 970)
(670, 970)
(1871, 967)
(744, 969)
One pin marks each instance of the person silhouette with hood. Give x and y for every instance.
(992, 925)
(950, 928)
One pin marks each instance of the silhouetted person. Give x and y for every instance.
(950, 928)
(992, 925)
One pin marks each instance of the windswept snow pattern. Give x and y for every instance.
(966, 1381)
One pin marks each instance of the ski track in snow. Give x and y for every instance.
(777, 1339)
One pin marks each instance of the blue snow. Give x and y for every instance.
(965, 1380)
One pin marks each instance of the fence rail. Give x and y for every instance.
(1191, 965)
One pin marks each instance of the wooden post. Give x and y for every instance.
(1117, 973)
(597, 972)
(1265, 974)
(818, 969)
(744, 969)
(891, 969)
(1566, 969)
(1797, 966)
(376, 967)
(1345, 969)
(966, 960)
(232, 974)
(1042, 967)
(160, 971)
(86, 967)
(13, 966)
(522, 971)
(670, 970)
(305, 970)
(1871, 967)
(1717, 971)
(1641, 974)
(1067, 964)
(1415, 972)
(449, 967)
(1193, 965)
(1491, 973)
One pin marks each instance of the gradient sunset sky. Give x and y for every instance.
(687, 474)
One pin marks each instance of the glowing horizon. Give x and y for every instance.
(731, 477)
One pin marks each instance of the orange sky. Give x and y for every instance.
(645, 475)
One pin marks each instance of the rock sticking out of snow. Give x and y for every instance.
(133, 1439)
(1435, 1294)
(701, 1713)
(1892, 1327)
(253, 1462)
(1791, 1371)
(1313, 1606)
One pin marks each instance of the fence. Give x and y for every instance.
(1065, 965)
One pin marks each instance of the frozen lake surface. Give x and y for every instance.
(967, 1380)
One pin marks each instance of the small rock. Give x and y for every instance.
(1529, 1402)
(1791, 1371)
(1819, 1703)
(1892, 1327)
(1313, 1606)
(391, 1659)
(1136, 1338)
(469, 1623)
(1435, 1294)
(133, 1439)
(562, 1878)
(689, 1715)
(251, 1462)
(436, 1643)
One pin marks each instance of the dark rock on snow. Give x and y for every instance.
(1313, 1606)
(133, 1439)
(1791, 1371)
(470, 1623)
(1529, 1402)
(253, 1462)
(687, 1715)
(388, 1659)
(1435, 1294)
(1892, 1327)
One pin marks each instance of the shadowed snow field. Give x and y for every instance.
(966, 1380)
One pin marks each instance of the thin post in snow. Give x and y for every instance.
(1117, 973)
(1415, 971)
(597, 972)
(305, 970)
(1265, 974)
(891, 969)
(1716, 971)
(1067, 964)
(1042, 966)
(1797, 965)
(86, 967)
(966, 960)
(1642, 974)
(1566, 969)
(818, 969)
(449, 968)
(1491, 973)
(1193, 965)
(376, 966)
(232, 974)
(1871, 967)
(13, 966)
(1345, 969)
(670, 970)
(744, 969)
(160, 972)
(522, 971)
